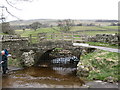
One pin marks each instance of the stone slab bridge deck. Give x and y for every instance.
(97, 47)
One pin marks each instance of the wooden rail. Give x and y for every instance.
(57, 36)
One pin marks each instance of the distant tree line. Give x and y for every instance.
(106, 21)
(34, 26)
(81, 24)
(115, 24)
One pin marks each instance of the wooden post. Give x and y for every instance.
(62, 36)
(38, 39)
(53, 36)
(72, 37)
(30, 37)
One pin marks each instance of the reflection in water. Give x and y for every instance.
(64, 71)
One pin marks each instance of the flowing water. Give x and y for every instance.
(42, 77)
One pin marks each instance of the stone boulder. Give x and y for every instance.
(82, 70)
(28, 58)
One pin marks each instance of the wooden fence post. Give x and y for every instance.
(38, 38)
(53, 36)
(62, 36)
(30, 37)
(72, 37)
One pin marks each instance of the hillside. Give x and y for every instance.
(27, 22)
(54, 22)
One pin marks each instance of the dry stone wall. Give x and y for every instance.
(106, 38)
(14, 42)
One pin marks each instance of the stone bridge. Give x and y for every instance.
(43, 49)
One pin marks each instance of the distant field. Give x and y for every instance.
(27, 32)
(78, 28)
(111, 27)
(99, 32)
(84, 30)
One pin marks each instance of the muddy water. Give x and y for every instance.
(42, 77)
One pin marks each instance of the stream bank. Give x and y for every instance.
(100, 68)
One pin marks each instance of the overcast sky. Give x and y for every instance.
(64, 9)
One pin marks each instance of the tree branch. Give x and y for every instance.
(11, 13)
(25, 0)
(12, 5)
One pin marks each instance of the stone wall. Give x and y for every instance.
(14, 42)
(106, 38)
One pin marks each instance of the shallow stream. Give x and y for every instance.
(42, 77)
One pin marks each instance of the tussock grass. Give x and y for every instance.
(103, 64)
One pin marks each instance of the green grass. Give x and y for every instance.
(3, 34)
(102, 44)
(49, 30)
(41, 30)
(103, 64)
(27, 33)
(93, 33)
(78, 28)
(14, 62)
(111, 27)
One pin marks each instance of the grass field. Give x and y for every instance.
(76, 28)
(92, 33)
(28, 32)
(111, 27)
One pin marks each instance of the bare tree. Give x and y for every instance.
(10, 3)
(65, 25)
(5, 26)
